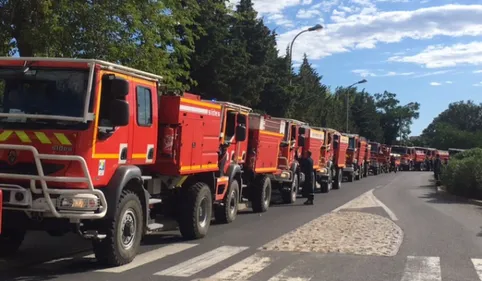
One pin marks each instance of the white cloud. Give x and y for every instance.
(280, 19)
(369, 28)
(369, 73)
(306, 2)
(477, 84)
(477, 71)
(307, 14)
(435, 84)
(433, 73)
(445, 56)
(271, 6)
(448, 82)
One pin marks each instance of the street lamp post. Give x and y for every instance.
(313, 28)
(346, 99)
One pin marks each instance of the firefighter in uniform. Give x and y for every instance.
(306, 165)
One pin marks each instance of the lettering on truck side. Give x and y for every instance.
(317, 134)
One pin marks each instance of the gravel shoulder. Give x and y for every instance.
(344, 232)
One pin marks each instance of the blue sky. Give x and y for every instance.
(428, 51)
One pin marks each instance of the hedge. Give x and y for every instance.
(463, 174)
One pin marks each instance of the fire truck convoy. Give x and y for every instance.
(96, 148)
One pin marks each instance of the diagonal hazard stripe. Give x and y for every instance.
(5, 135)
(62, 139)
(42, 137)
(23, 136)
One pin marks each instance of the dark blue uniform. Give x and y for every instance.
(306, 165)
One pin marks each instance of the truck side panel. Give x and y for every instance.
(265, 137)
(343, 146)
(314, 143)
(195, 141)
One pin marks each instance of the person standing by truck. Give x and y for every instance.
(437, 169)
(306, 165)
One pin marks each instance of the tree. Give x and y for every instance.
(459, 126)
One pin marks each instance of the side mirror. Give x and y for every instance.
(119, 113)
(119, 87)
(301, 140)
(301, 131)
(240, 134)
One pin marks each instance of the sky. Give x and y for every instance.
(425, 51)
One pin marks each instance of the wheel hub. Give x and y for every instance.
(128, 229)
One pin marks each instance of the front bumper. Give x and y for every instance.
(75, 204)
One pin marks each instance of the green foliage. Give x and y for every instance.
(204, 46)
(459, 126)
(463, 175)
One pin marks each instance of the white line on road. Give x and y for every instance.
(150, 256)
(242, 270)
(200, 263)
(422, 269)
(389, 212)
(478, 267)
(287, 274)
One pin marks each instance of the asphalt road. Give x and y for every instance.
(442, 241)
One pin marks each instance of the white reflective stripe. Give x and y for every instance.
(200, 263)
(150, 256)
(422, 269)
(193, 109)
(478, 267)
(242, 270)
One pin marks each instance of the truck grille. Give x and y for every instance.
(29, 168)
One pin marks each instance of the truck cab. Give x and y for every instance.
(289, 181)
(355, 157)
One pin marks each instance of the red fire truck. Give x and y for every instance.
(368, 159)
(69, 158)
(355, 157)
(294, 140)
(332, 159)
(375, 151)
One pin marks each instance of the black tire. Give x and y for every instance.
(228, 212)
(261, 194)
(112, 251)
(190, 223)
(338, 179)
(10, 241)
(289, 197)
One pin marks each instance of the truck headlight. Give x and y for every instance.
(87, 202)
(285, 175)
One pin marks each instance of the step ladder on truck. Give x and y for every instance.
(81, 166)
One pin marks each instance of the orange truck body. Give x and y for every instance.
(114, 140)
(375, 151)
(332, 159)
(355, 157)
(444, 155)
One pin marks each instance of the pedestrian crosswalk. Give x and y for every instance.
(189, 261)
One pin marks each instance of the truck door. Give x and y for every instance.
(144, 127)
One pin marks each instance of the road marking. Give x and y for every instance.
(422, 269)
(200, 263)
(150, 256)
(478, 267)
(242, 270)
(287, 274)
(389, 212)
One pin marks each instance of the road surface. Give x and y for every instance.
(382, 228)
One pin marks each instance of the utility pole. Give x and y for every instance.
(313, 28)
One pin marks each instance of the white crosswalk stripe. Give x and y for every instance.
(202, 262)
(422, 269)
(232, 263)
(478, 267)
(242, 270)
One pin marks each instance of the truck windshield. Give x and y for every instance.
(351, 143)
(42, 92)
(399, 150)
